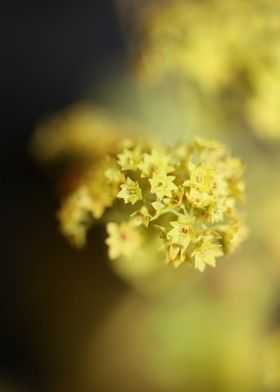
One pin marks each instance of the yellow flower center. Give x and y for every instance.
(185, 229)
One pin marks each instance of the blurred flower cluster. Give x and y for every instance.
(83, 133)
(226, 52)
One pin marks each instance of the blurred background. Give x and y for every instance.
(70, 321)
(51, 296)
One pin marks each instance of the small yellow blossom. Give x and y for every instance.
(124, 239)
(202, 178)
(206, 254)
(182, 232)
(176, 200)
(130, 191)
(162, 185)
(176, 255)
(200, 199)
(130, 159)
(142, 216)
(217, 210)
(157, 160)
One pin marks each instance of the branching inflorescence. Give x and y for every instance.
(181, 199)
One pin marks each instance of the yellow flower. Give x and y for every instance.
(142, 216)
(200, 199)
(130, 159)
(176, 200)
(217, 210)
(162, 185)
(130, 191)
(182, 232)
(205, 254)
(124, 239)
(202, 178)
(155, 161)
(176, 255)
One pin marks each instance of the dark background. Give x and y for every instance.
(50, 294)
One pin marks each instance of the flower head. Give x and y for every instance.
(129, 159)
(187, 200)
(156, 160)
(124, 239)
(206, 254)
(162, 185)
(130, 191)
(182, 232)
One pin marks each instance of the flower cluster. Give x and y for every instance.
(223, 48)
(186, 196)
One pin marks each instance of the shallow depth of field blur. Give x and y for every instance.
(84, 77)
